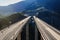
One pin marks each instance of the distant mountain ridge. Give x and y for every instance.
(11, 19)
(30, 5)
(52, 5)
(17, 7)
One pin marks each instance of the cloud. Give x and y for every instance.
(8, 2)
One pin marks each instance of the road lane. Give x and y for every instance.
(46, 30)
(13, 30)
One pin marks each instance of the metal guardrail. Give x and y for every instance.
(47, 32)
(12, 32)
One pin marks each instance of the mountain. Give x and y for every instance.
(17, 7)
(50, 18)
(12, 8)
(8, 20)
(50, 4)
(53, 5)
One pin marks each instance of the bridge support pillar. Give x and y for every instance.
(19, 37)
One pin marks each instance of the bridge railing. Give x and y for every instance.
(13, 31)
(47, 32)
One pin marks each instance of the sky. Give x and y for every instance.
(8, 2)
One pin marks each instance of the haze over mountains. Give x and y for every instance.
(30, 5)
(18, 7)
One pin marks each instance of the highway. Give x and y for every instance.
(47, 31)
(11, 32)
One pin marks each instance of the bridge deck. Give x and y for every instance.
(12, 31)
(48, 32)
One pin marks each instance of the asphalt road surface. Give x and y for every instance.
(11, 32)
(47, 31)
